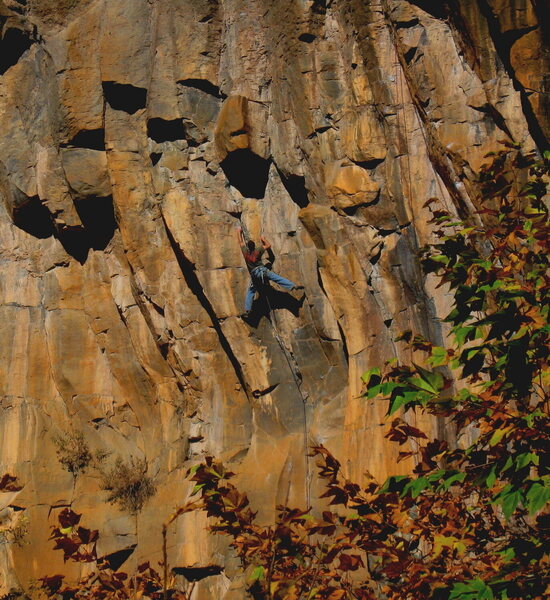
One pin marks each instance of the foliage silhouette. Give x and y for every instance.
(79, 545)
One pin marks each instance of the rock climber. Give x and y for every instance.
(259, 273)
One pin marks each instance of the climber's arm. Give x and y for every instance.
(265, 244)
(240, 237)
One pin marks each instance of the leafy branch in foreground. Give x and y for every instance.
(470, 522)
(79, 545)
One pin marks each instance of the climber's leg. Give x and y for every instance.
(250, 293)
(284, 283)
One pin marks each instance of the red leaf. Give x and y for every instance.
(87, 536)
(8, 484)
(350, 562)
(68, 545)
(52, 583)
(68, 518)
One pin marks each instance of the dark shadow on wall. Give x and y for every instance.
(436, 8)
(98, 218)
(503, 43)
(247, 172)
(161, 130)
(116, 559)
(122, 96)
(34, 218)
(15, 42)
(269, 299)
(189, 273)
(197, 573)
(295, 185)
(98, 227)
(92, 139)
(204, 86)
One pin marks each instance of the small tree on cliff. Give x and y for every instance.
(469, 522)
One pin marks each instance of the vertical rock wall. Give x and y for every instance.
(135, 136)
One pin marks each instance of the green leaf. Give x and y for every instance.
(258, 573)
(509, 498)
(491, 478)
(497, 436)
(415, 487)
(538, 496)
(402, 399)
(527, 458)
(433, 379)
(438, 356)
(509, 462)
(197, 488)
(193, 469)
(456, 478)
(421, 384)
(372, 392)
(382, 389)
(460, 334)
(530, 418)
(474, 589)
(508, 554)
(393, 484)
(374, 372)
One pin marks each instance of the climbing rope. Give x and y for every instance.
(297, 382)
(401, 99)
(400, 75)
(273, 322)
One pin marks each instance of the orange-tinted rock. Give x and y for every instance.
(135, 137)
(231, 131)
(350, 185)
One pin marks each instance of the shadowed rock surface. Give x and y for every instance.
(135, 136)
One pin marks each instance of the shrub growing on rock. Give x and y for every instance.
(73, 451)
(128, 484)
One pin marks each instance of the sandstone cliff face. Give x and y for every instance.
(135, 136)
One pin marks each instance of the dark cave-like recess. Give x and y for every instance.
(92, 139)
(122, 96)
(15, 42)
(34, 218)
(247, 172)
(161, 130)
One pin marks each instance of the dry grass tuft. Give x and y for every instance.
(128, 484)
(73, 451)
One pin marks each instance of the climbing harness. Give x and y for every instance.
(259, 273)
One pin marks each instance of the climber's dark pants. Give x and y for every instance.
(258, 276)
